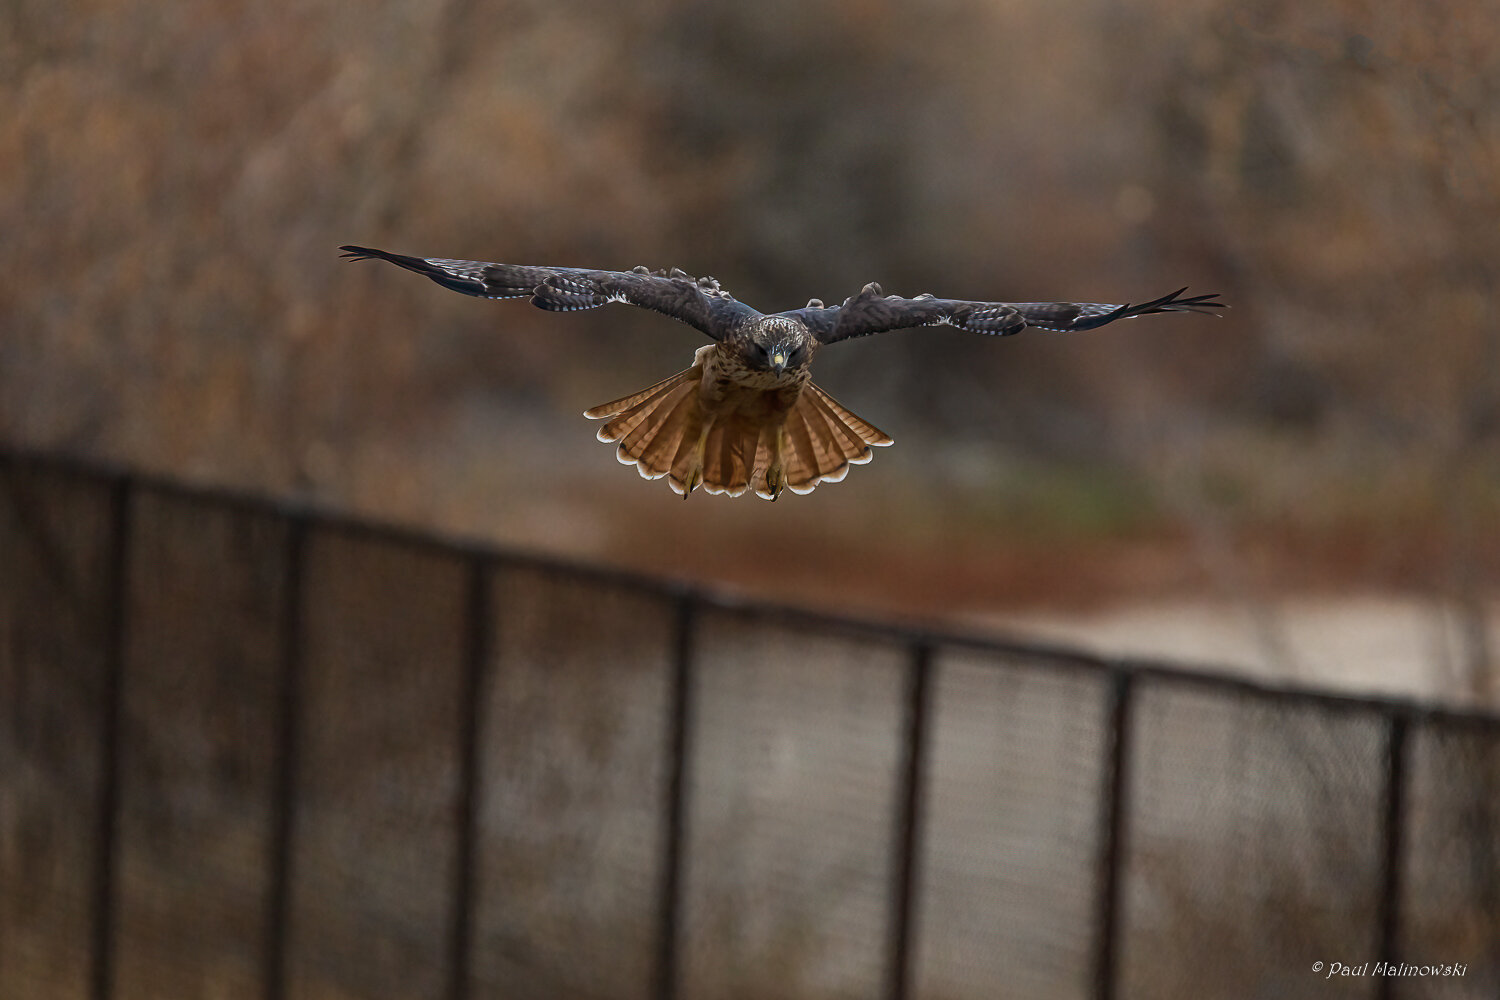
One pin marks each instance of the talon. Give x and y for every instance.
(695, 471)
(776, 474)
(775, 481)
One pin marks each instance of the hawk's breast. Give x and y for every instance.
(729, 386)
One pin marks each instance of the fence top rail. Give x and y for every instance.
(910, 632)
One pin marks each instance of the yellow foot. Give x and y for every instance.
(776, 474)
(694, 477)
(775, 481)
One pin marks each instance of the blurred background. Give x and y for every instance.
(248, 754)
(1307, 487)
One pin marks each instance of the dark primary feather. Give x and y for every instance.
(872, 312)
(699, 302)
(1068, 316)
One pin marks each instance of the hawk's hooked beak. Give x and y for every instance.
(778, 360)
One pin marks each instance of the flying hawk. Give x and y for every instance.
(746, 415)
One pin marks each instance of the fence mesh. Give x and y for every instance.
(793, 806)
(376, 778)
(253, 753)
(1255, 844)
(571, 821)
(202, 668)
(55, 624)
(1450, 885)
(1010, 876)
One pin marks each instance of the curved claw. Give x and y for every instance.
(775, 480)
(776, 474)
(693, 477)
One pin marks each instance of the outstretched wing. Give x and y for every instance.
(698, 302)
(873, 312)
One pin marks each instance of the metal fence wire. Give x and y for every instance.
(254, 752)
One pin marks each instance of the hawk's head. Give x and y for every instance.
(777, 343)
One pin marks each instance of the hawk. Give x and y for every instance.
(746, 415)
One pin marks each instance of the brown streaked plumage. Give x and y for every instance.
(746, 415)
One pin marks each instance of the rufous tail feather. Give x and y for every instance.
(665, 431)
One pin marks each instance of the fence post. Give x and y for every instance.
(116, 625)
(1392, 831)
(288, 746)
(1114, 809)
(909, 802)
(674, 834)
(478, 644)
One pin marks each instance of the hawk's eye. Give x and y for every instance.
(761, 350)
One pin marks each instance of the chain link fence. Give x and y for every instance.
(248, 751)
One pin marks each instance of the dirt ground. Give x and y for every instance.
(1348, 618)
(1365, 643)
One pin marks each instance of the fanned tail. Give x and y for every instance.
(652, 425)
(619, 406)
(728, 458)
(823, 439)
(664, 431)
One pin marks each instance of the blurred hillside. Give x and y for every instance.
(174, 181)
